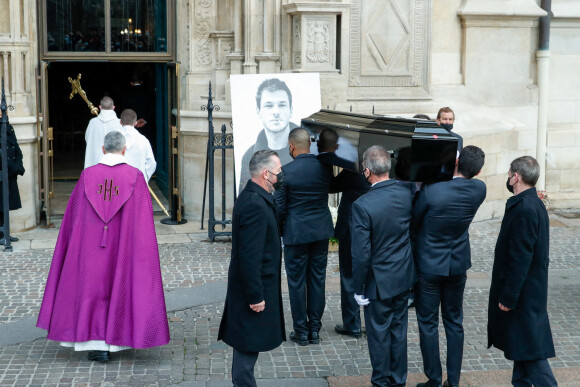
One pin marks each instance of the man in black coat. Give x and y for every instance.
(303, 210)
(442, 214)
(253, 319)
(518, 321)
(446, 118)
(15, 168)
(352, 185)
(383, 268)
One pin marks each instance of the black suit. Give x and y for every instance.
(303, 209)
(352, 185)
(442, 214)
(520, 282)
(254, 276)
(383, 271)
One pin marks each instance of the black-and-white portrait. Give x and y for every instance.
(265, 108)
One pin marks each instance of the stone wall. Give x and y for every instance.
(563, 152)
(479, 57)
(17, 68)
(396, 57)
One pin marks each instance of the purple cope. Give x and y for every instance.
(105, 279)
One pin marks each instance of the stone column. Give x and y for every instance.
(15, 27)
(236, 58)
(268, 59)
(249, 66)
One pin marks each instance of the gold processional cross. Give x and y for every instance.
(77, 89)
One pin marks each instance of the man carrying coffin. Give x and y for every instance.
(104, 291)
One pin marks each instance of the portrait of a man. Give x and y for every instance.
(279, 102)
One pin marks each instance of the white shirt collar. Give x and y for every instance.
(112, 159)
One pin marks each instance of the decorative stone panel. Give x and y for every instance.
(389, 43)
(314, 33)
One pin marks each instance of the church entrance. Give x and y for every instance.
(143, 87)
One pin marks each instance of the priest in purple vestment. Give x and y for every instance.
(104, 291)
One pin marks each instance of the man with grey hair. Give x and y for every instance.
(253, 318)
(518, 321)
(107, 233)
(98, 127)
(383, 269)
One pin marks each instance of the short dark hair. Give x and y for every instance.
(470, 161)
(528, 169)
(107, 103)
(445, 110)
(260, 160)
(300, 138)
(421, 116)
(272, 85)
(377, 160)
(128, 117)
(327, 140)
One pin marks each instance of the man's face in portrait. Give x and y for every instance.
(275, 110)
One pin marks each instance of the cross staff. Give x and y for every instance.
(77, 89)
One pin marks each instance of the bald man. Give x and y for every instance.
(307, 224)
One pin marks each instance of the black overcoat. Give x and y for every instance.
(382, 261)
(302, 201)
(15, 168)
(254, 275)
(520, 281)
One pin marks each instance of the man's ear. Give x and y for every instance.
(257, 110)
(123, 151)
(103, 147)
(478, 172)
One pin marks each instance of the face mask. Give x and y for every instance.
(447, 126)
(278, 184)
(508, 186)
(366, 178)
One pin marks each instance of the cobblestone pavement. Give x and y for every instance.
(195, 358)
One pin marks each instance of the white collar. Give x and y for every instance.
(112, 159)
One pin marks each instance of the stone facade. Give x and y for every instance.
(394, 56)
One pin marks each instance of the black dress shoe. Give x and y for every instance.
(299, 339)
(12, 239)
(356, 333)
(100, 356)
(313, 337)
(447, 384)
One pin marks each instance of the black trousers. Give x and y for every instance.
(534, 372)
(350, 309)
(306, 272)
(386, 322)
(430, 292)
(243, 368)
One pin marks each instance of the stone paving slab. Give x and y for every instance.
(195, 273)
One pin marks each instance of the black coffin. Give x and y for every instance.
(420, 150)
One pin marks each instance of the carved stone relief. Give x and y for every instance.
(318, 41)
(201, 33)
(388, 43)
(314, 42)
(296, 41)
(223, 46)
